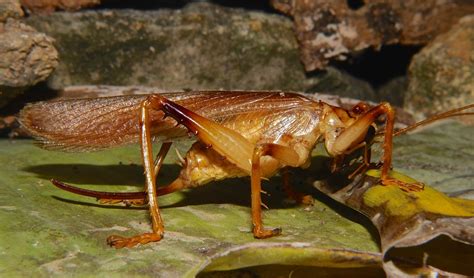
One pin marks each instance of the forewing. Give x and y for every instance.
(96, 123)
(85, 124)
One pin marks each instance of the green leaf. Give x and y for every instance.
(50, 232)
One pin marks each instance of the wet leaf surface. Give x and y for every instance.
(49, 232)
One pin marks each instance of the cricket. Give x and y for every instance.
(235, 133)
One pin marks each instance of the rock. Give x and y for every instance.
(332, 30)
(202, 46)
(10, 9)
(49, 6)
(442, 73)
(393, 91)
(26, 58)
(199, 46)
(9, 127)
(336, 82)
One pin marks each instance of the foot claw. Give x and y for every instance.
(300, 198)
(121, 242)
(306, 200)
(264, 233)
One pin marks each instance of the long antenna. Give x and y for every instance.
(448, 114)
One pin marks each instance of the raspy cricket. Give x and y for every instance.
(237, 134)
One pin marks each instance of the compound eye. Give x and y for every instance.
(360, 108)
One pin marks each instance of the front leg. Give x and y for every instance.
(352, 135)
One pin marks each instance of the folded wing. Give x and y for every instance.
(96, 123)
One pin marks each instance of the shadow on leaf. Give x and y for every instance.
(229, 191)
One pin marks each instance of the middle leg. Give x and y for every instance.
(281, 153)
(298, 197)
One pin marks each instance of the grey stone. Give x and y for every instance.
(442, 74)
(393, 91)
(336, 82)
(199, 46)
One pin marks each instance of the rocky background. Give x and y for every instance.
(418, 56)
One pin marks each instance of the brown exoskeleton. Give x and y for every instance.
(238, 133)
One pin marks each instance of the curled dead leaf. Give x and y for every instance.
(417, 229)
